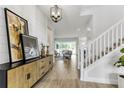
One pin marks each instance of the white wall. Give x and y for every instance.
(66, 34)
(50, 40)
(103, 17)
(37, 24)
(106, 16)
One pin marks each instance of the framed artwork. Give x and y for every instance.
(16, 25)
(30, 47)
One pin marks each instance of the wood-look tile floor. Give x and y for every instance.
(65, 75)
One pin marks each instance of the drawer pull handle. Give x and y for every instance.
(42, 67)
(50, 62)
(28, 76)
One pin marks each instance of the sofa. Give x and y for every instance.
(67, 54)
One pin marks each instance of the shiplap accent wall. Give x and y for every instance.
(37, 24)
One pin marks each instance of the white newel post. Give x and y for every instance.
(79, 59)
(112, 38)
(117, 36)
(97, 49)
(89, 54)
(121, 34)
(93, 52)
(108, 42)
(100, 48)
(104, 45)
(86, 57)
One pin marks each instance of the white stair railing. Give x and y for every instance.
(102, 45)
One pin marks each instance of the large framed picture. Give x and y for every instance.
(16, 25)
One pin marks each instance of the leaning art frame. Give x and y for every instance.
(15, 25)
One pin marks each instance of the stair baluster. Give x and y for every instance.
(121, 34)
(117, 37)
(103, 45)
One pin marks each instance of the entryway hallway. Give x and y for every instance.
(64, 74)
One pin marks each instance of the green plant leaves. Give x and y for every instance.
(122, 63)
(121, 58)
(122, 50)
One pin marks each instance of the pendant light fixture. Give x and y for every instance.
(56, 13)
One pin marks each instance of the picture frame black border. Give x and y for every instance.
(28, 60)
(8, 37)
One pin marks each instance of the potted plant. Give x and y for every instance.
(120, 63)
(120, 70)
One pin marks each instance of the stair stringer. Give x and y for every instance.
(98, 63)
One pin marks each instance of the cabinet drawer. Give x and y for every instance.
(40, 69)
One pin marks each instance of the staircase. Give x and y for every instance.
(107, 42)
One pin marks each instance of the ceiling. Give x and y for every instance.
(71, 18)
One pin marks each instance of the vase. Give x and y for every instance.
(43, 51)
(120, 70)
(47, 51)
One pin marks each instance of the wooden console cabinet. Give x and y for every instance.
(26, 75)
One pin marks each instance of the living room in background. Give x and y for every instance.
(65, 46)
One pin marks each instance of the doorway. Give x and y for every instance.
(61, 46)
(69, 44)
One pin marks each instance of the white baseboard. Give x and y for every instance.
(101, 80)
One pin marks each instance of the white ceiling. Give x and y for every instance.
(71, 19)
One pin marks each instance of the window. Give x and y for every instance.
(60, 46)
